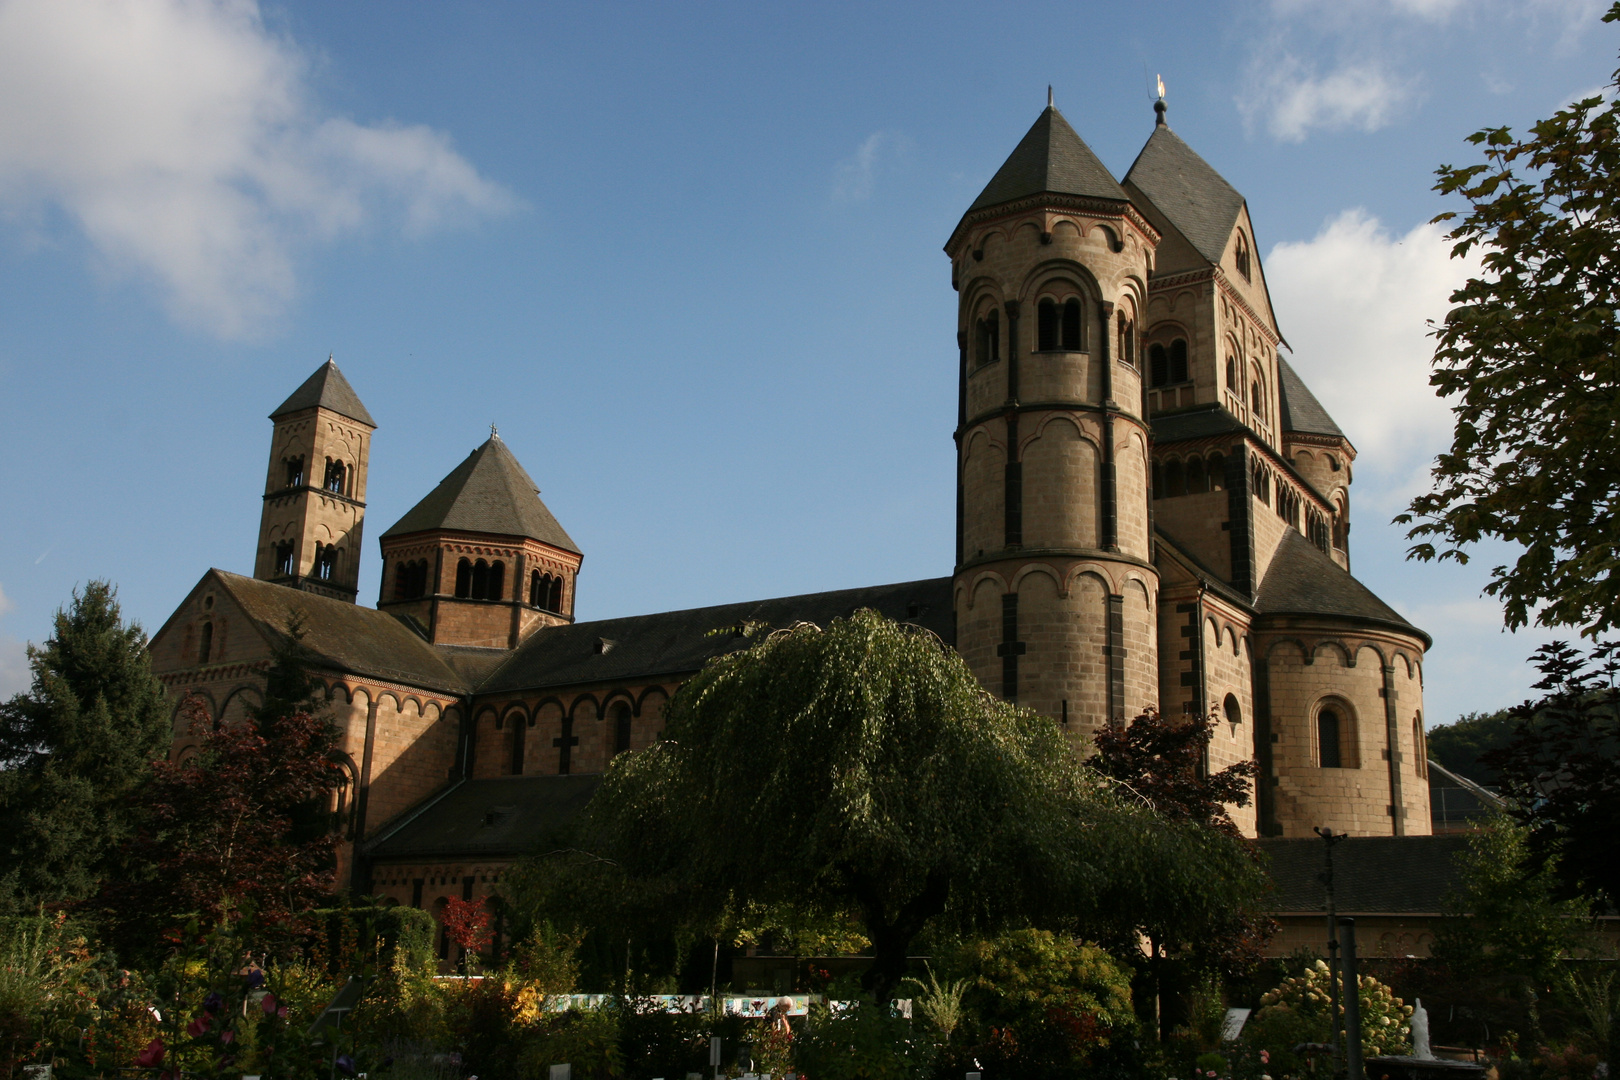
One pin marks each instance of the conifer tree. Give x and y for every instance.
(73, 748)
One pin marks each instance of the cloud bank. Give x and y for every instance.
(181, 138)
(1355, 302)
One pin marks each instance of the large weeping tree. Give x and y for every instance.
(862, 768)
(1529, 357)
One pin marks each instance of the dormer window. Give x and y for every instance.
(1240, 255)
(335, 473)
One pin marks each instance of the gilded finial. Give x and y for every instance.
(1159, 106)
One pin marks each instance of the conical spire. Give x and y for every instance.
(1050, 157)
(326, 389)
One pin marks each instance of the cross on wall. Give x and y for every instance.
(565, 744)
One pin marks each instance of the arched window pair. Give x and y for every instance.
(545, 591)
(326, 560)
(410, 579)
(481, 580)
(1288, 504)
(336, 474)
(295, 472)
(987, 339)
(1317, 531)
(1194, 476)
(1057, 327)
(1166, 367)
(1262, 483)
(284, 558)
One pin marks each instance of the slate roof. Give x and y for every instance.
(1213, 580)
(489, 492)
(1187, 190)
(1050, 157)
(1301, 411)
(680, 642)
(1371, 874)
(1198, 423)
(328, 389)
(1301, 580)
(343, 636)
(498, 816)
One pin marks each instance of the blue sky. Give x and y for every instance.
(686, 256)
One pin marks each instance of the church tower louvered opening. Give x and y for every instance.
(311, 526)
(1054, 584)
(481, 561)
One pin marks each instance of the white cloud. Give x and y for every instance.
(855, 174)
(1293, 99)
(1354, 302)
(5, 601)
(180, 136)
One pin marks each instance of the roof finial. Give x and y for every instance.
(1159, 106)
(493, 433)
(1048, 95)
(329, 357)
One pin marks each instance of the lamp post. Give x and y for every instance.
(1331, 839)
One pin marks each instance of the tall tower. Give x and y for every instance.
(315, 490)
(1055, 590)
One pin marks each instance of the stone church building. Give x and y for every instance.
(1151, 510)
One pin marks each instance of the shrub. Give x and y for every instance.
(1296, 1012)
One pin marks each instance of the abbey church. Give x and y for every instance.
(1151, 510)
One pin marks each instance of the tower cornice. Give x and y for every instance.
(1102, 208)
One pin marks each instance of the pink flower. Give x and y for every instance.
(197, 1027)
(268, 1004)
(152, 1055)
(228, 1037)
(1265, 1057)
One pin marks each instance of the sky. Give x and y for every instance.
(686, 256)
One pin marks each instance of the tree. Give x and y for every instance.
(1561, 770)
(863, 768)
(1530, 353)
(73, 748)
(241, 822)
(1163, 764)
(1462, 744)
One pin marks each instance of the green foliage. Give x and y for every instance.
(1460, 744)
(1505, 919)
(1026, 973)
(1561, 771)
(72, 749)
(1530, 357)
(865, 1043)
(940, 1003)
(862, 769)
